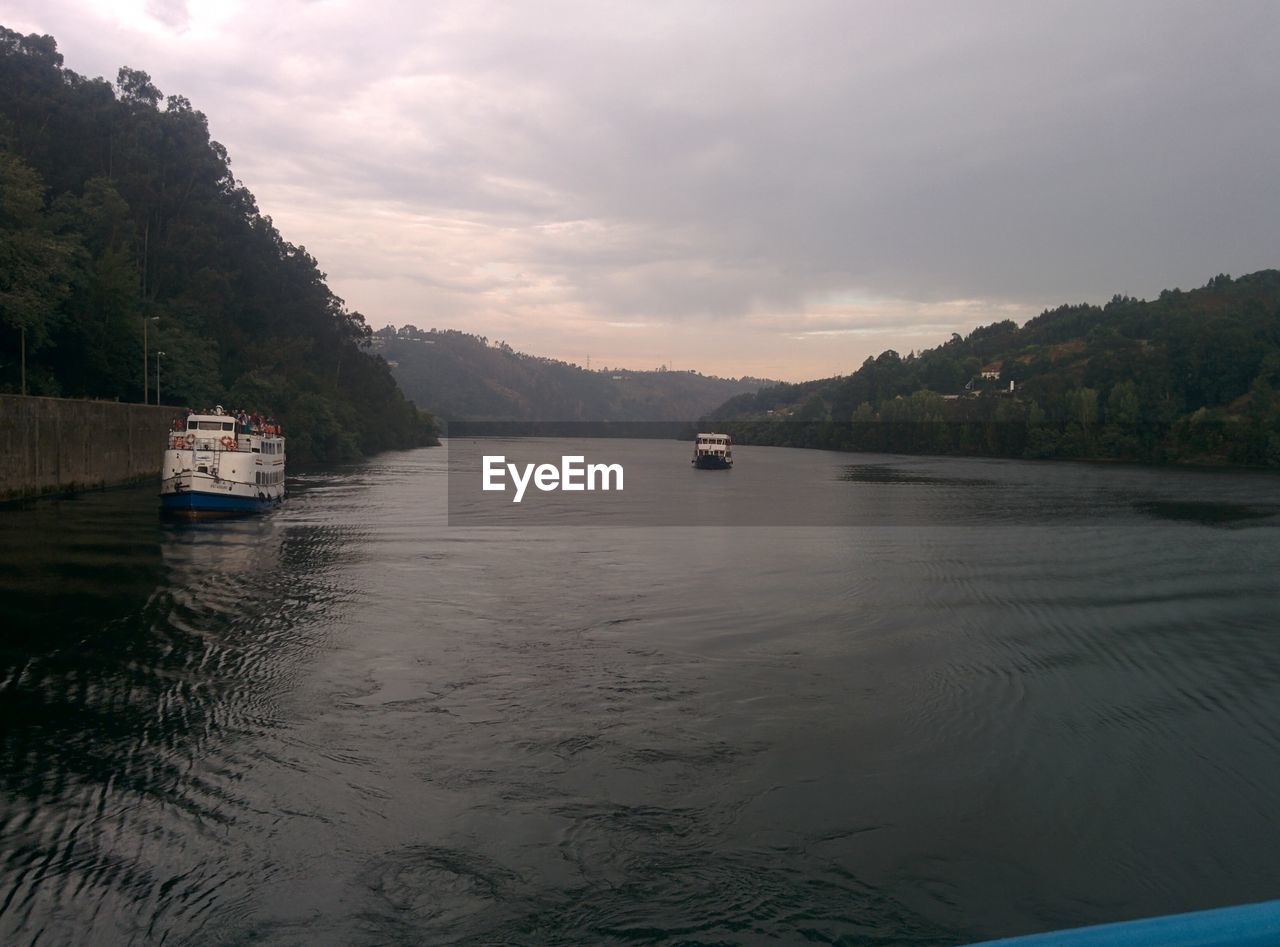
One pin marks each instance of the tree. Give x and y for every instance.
(116, 206)
(135, 88)
(34, 261)
(1123, 406)
(1262, 420)
(815, 409)
(1084, 407)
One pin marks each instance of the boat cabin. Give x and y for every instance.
(208, 432)
(713, 451)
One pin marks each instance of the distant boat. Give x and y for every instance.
(216, 464)
(713, 452)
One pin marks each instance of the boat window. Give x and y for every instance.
(228, 425)
(210, 425)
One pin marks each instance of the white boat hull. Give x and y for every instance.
(198, 481)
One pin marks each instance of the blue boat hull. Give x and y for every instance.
(212, 504)
(1245, 925)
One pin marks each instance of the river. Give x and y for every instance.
(1052, 700)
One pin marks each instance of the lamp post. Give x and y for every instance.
(145, 384)
(159, 355)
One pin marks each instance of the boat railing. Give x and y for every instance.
(207, 442)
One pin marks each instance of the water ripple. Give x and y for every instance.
(349, 722)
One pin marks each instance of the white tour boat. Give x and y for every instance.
(218, 464)
(713, 452)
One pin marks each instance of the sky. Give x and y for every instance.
(765, 188)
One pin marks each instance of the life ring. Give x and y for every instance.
(191, 439)
(228, 442)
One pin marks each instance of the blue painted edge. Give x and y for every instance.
(1245, 925)
(213, 502)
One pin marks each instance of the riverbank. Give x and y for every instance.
(64, 445)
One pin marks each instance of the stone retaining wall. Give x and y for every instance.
(56, 445)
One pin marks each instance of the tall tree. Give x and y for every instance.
(34, 263)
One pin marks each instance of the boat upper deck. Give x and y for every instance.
(220, 431)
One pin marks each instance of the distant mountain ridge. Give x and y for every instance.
(459, 376)
(1187, 377)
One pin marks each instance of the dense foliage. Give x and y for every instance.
(1189, 377)
(467, 377)
(119, 216)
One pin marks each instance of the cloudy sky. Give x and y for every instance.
(770, 188)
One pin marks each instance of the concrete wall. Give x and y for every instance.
(52, 445)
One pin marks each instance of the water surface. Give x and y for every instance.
(349, 722)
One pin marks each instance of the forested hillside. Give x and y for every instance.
(119, 215)
(465, 377)
(1189, 377)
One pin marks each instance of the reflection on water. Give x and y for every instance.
(885, 473)
(1201, 511)
(348, 722)
(137, 655)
